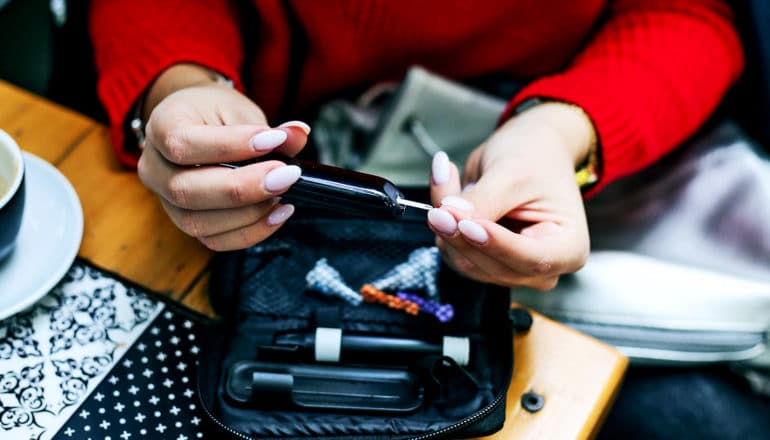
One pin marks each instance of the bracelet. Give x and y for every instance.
(588, 172)
(137, 124)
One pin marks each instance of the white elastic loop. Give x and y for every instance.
(328, 344)
(458, 349)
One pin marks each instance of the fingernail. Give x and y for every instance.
(442, 221)
(473, 231)
(440, 168)
(457, 202)
(469, 186)
(281, 178)
(267, 140)
(299, 124)
(280, 214)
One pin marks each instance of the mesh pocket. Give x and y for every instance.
(274, 272)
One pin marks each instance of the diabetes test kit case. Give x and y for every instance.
(299, 353)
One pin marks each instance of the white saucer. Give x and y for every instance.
(49, 239)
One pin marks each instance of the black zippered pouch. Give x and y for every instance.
(252, 390)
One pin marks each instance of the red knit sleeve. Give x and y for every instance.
(648, 78)
(135, 40)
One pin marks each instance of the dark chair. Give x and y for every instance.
(749, 101)
(47, 59)
(26, 44)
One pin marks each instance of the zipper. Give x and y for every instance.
(465, 422)
(459, 425)
(473, 418)
(230, 430)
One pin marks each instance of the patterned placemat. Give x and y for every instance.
(99, 358)
(150, 394)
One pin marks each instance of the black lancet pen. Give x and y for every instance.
(332, 345)
(344, 191)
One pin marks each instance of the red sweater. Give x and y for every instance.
(648, 72)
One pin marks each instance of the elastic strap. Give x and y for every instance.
(457, 348)
(328, 344)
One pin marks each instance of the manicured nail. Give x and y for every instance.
(281, 178)
(440, 168)
(469, 186)
(457, 202)
(299, 124)
(267, 140)
(473, 231)
(280, 214)
(443, 221)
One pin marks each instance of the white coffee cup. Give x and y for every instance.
(11, 192)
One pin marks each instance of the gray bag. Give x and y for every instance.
(393, 131)
(680, 266)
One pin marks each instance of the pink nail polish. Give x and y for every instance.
(440, 168)
(280, 214)
(281, 178)
(267, 140)
(443, 221)
(473, 231)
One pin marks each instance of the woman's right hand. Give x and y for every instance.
(198, 124)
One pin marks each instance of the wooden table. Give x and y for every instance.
(127, 232)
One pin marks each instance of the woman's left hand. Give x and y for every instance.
(520, 220)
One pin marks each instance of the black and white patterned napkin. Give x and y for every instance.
(99, 359)
(150, 394)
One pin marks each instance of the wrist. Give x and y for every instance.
(569, 122)
(574, 129)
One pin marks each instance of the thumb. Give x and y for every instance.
(296, 137)
(445, 178)
(472, 168)
(492, 197)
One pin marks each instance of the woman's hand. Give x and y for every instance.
(520, 220)
(195, 124)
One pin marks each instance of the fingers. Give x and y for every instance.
(209, 144)
(216, 221)
(485, 250)
(493, 196)
(534, 258)
(472, 168)
(457, 252)
(543, 248)
(465, 259)
(215, 187)
(489, 193)
(210, 124)
(460, 263)
(297, 133)
(251, 234)
(445, 184)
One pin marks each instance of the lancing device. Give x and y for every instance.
(346, 191)
(331, 345)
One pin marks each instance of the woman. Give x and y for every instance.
(615, 86)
